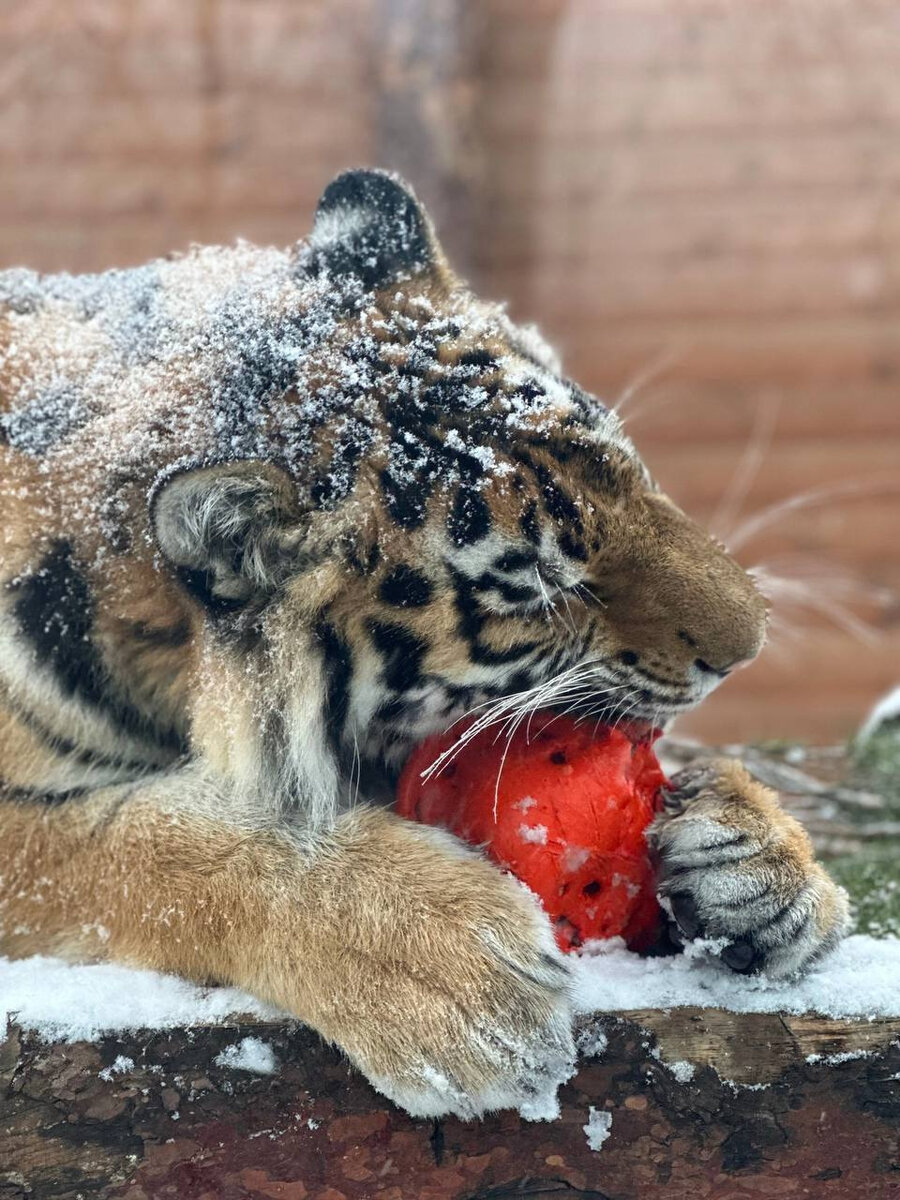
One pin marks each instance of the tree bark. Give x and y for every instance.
(757, 1119)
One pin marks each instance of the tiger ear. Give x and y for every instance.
(231, 531)
(370, 226)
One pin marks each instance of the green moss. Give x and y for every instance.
(873, 880)
(876, 766)
(872, 877)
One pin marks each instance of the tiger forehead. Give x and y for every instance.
(444, 354)
(430, 389)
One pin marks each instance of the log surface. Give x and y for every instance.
(776, 1106)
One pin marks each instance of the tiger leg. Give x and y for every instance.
(735, 865)
(436, 974)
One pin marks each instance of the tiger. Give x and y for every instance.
(270, 517)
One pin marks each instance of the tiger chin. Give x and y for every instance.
(269, 517)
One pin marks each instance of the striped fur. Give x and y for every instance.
(269, 517)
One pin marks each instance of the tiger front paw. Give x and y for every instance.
(735, 866)
(445, 985)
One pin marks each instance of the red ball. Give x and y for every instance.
(564, 806)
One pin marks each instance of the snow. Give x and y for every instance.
(574, 858)
(860, 979)
(592, 1042)
(885, 712)
(121, 1066)
(682, 1070)
(70, 1003)
(598, 1128)
(534, 833)
(74, 1003)
(249, 1054)
(62, 1002)
(842, 1057)
(242, 353)
(544, 1106)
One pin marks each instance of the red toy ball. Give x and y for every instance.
(568, 817)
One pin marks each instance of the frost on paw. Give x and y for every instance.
(521, 1074)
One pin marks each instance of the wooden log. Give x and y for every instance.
(775, 1106)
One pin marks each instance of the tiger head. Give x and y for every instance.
(441, 521)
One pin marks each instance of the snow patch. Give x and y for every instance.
(249, 1054)
(885, 712)
(574, 858)
(683, 1070)
(598, 1128)
(69, 1003)
(593, 1043)
(534, 833)
(74, 1003)
(842, 1057)
(859, 979)
(121, 1066)
(542, 1107)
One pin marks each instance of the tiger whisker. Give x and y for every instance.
(759, 441)
(548, 603)
(813, 596)
(760, 520)
(565, 600)
(583, 587)
(645, 375)
(574, 701)
(507, 707)
(513, 726)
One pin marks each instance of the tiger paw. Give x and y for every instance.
(735, 867)
(445, 986)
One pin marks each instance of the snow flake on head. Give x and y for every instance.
(355, 354)
(370, 227)
(49, 417)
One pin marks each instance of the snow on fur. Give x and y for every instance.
(240, 353)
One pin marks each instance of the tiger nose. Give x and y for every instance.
(727, 659)
(706, 668)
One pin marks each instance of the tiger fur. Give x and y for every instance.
(270, 517)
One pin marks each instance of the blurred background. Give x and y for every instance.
(696, 200)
